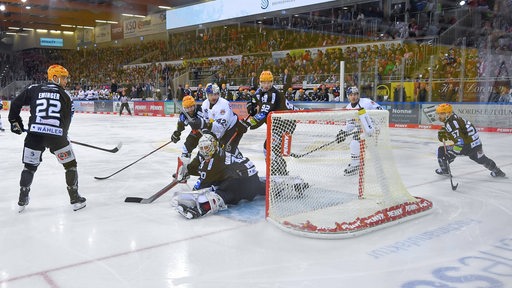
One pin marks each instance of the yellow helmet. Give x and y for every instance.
(266, 76)
(57, 70)
(188, 101)
(444, 108)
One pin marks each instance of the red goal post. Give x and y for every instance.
(307, 191)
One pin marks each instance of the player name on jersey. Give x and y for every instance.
(46, 129)
(49, 95)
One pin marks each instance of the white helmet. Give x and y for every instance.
(208, 145)
(352, 90)
(212, 88)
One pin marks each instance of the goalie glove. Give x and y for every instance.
(182, 174)
(175, 136)
(17, 126)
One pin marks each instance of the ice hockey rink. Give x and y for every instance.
(466, 241)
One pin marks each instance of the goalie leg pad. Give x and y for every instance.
(196, 204)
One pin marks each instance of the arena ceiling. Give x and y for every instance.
(52, 14)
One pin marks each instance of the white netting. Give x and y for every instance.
(309, 193)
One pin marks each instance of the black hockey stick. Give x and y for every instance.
(113, 150)
(106, 177)
(155, 196)
(454, 187)
(161, 191)
(295, 155)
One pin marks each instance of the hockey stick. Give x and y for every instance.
(162, 191)
(113, 150)
(295, 155)
(454, 187)
(106, 177)
(155, 196)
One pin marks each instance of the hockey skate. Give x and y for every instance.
(498, 173)
(76, 200)
(351, 170)
(23, 199)
(442, 172)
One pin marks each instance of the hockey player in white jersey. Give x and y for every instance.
(219, 118)
(356, 102)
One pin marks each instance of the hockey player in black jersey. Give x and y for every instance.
(51, 110)
(195, 113)
(466, 142)
(224, 179)
(267, 99)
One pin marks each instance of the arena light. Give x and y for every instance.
(2, 7)
(462, 3)
(133, 15)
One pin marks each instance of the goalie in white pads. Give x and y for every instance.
(466, 142)
(356, 102)
(224, 179)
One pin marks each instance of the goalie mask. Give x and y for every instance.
(208, 145)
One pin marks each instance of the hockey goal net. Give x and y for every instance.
(308, 191)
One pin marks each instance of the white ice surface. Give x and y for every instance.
(465, 242)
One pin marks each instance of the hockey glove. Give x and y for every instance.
(252, 107)
(17, 126)
(196, 123)
(442, 135)
(457, 148)
(175, 137)
(182, 174)
(342, 135)
(351, 125)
